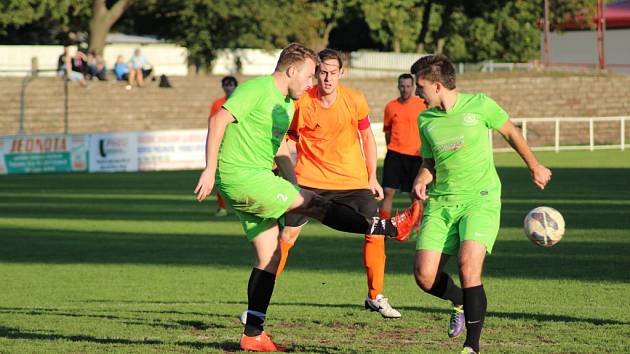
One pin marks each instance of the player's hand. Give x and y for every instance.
(420, 190)
(376, 189)
(541, 175)
(205, 185)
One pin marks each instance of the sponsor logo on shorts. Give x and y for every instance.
(478, 234)
(282, 197)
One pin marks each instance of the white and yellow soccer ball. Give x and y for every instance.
(544, 226)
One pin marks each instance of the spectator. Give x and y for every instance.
(61, 62)
(96, 66)
(76, 66)
(139, 68)
(121, 70)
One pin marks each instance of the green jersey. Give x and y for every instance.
(458, 141)
(263, 115)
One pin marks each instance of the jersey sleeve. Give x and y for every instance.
(387, 120)
(493, 114)
(361, 105)
(243, 101)
(426, 150)
(216, 106)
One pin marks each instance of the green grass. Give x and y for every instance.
(129, 263)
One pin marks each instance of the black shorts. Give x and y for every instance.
(361, 200)
(399, 170)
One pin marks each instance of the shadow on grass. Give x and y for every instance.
(584, 260)
(14, 333)
(147, 196)
(446, 312)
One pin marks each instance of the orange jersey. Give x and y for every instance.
(329, 152)
(401, 121)
(216, 105)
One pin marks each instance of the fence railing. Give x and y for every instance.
(580, 133)
(28, 76)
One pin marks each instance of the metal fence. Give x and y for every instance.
(28, 76)
(580, 133)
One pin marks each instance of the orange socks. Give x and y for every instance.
(284, 249)
(374, 261)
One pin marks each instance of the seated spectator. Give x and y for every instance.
(121, 69)
(139, 68)
(96, 67)
(61, 62)
(76, 66)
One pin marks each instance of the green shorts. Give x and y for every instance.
(259, 198)
(446, 225)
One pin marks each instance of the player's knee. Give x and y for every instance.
(270, 264)
(469, 269)
(424, 280)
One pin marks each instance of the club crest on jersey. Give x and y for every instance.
(470, 119)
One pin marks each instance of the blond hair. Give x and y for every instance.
(293, 54)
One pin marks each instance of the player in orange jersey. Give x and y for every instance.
(228, 84)
(400, 124)
(336, 158)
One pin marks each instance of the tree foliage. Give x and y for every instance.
(41, 21)
(465, 30)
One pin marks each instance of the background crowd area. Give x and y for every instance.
(83, 65)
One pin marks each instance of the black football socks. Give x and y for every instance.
(475, 304)
(445, 288)
(259, 290)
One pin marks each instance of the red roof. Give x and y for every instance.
(617, 16)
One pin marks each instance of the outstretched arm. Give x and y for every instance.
(540, 174)
(216, 129)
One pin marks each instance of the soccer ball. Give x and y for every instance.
(544, 226)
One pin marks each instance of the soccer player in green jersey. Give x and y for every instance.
(464, 199)
(244, 139)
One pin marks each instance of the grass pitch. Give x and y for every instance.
(130, 263)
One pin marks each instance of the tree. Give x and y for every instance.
(46, 22)
(394, 22)
(505, 30)
(102, 20)
(321, 16)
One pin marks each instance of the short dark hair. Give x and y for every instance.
(294, 53)
(405, 76)
(435, 68)
(328, 54)
(229, 79)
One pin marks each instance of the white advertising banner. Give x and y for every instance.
(43, 153)
(172, 150)
(114, 152)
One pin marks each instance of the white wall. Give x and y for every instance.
(253, 61)
(581, 47)
(167, 59)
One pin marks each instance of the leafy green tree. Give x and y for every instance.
(394, 22)
(506, 30)
(41, 22)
